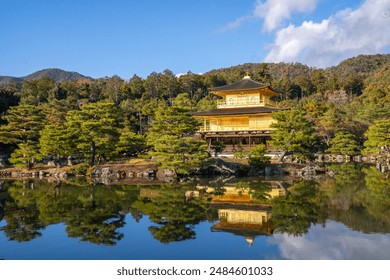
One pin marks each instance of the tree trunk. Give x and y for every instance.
(93, 150)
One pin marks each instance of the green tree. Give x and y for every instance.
(298, 210)
(257, 157)
(263, 74)
(377, 198)
(21, 214)
(344, 143)
(174, 217)
(378, 138)
(137, 88)
(130, 143)
(217, 147)
(34, 92)
(293, 133)
(55, 141)
(23, 125)
(95, 128)
(171, 136)
(8, 98)
(113, 88)
(26, 154)
(374, 103)
(206, 103)
(183, 100)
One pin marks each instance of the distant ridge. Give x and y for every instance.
(55, 74)
(365, 65)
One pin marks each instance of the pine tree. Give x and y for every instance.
(23, 125)
(26, 154)
(55, 141)
(95, 129)
(293, 133)
(171, 137)
(257, 157)
(130, 143)
(344, 143)
(378, 138)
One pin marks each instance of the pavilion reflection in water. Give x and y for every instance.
(241, 214)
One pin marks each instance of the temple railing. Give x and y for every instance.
(226, 128)
(247, 102)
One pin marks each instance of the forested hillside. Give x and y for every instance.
(57, 114)
(56, 75)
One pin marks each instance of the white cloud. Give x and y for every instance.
(333, 242)
(364, 30)
(274, 12)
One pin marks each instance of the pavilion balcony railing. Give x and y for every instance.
(227, 128)
(247, 102)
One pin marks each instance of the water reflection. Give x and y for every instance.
(285, 210)
(173, 214)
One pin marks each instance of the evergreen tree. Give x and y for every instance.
(95, 128)
(257, 157)
(378, 138)
(293, 133)
(26, 154)
(344, 143)
(55, 141)
(171, 136)
(130, 143)
(23, 125)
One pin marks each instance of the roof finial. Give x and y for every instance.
(247, 75)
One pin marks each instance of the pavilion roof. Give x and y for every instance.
(245, 84)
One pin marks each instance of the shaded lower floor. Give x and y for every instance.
(232, 142)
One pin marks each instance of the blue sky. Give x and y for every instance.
(118, 37)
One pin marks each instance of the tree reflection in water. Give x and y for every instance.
(357, 196)
(295, 212)
(173, 214)
(93, 214)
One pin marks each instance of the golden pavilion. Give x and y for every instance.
(243, 116)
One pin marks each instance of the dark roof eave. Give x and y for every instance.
(238, 111)
(245, 84)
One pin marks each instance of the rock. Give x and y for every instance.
(339, 158)
(106, 171)
(168, 173)
(69, 161)
(96, 172)
(120, 174)
(357, 158)
(42, 174)
(51, 163)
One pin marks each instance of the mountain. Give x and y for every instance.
(4, 80)
(365, 65)
(57, 75)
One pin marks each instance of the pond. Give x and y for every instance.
(342, 217)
